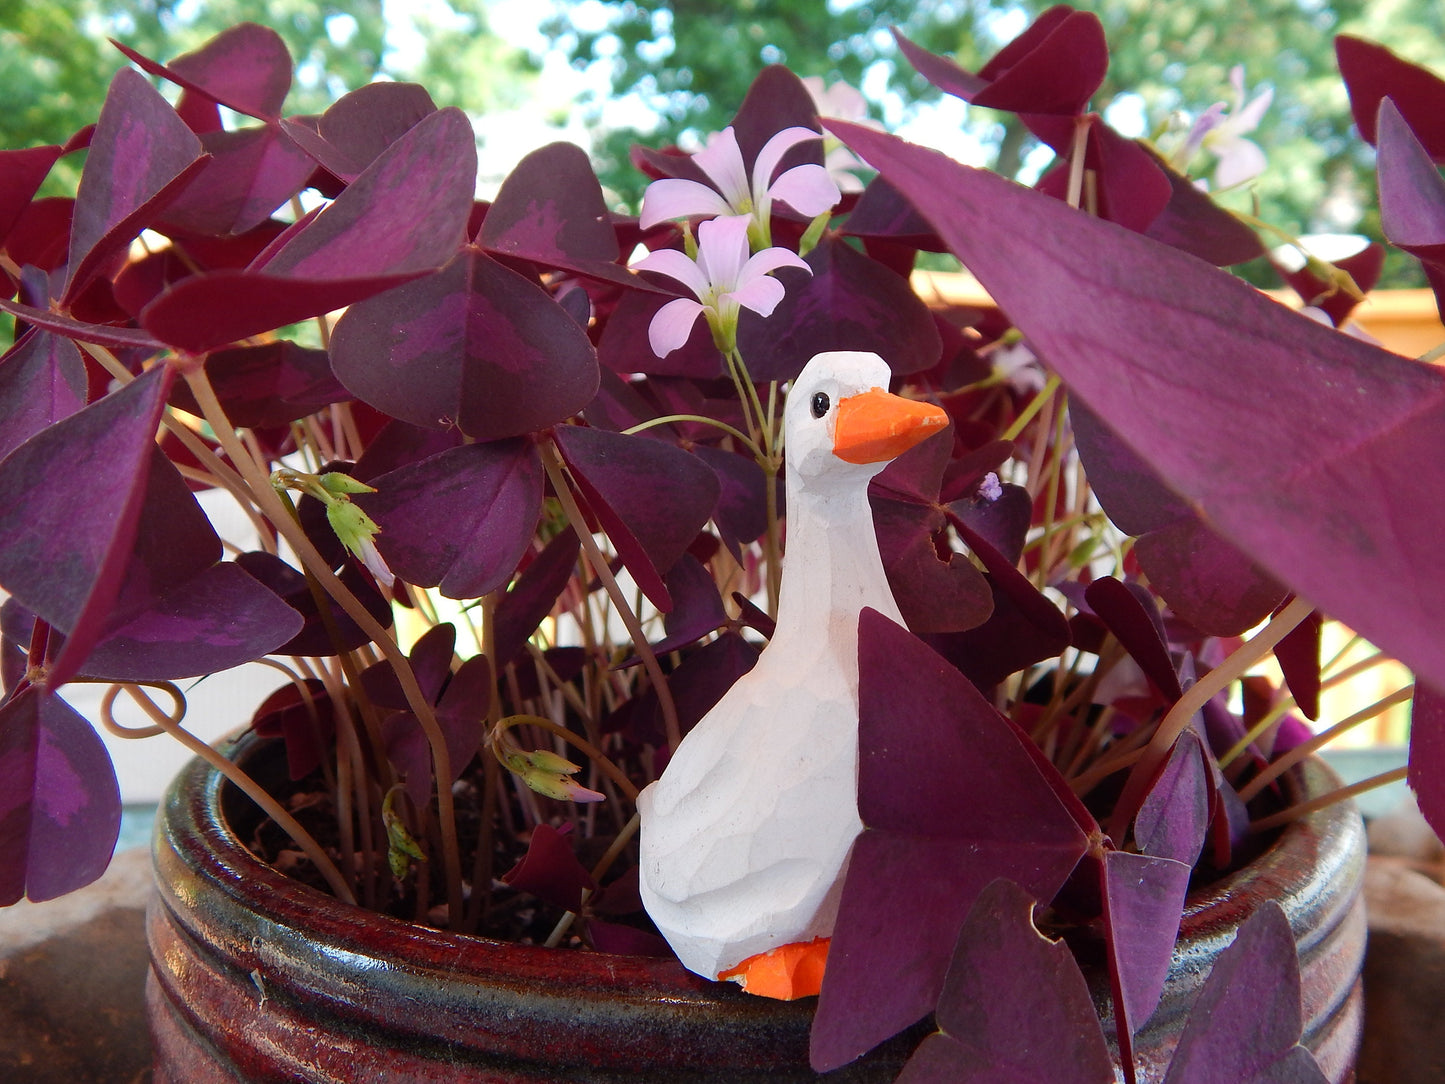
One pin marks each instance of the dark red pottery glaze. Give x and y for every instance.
(256, 978)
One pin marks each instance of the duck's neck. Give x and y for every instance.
(832, 569)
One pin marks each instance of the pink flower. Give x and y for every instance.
(723, 279)
(1222, 134)
(807, 189)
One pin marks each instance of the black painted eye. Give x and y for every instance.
(820, 404)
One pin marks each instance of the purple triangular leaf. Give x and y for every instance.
(1192, 222)
(1298, 655)
(1174, 816)
(950, 800)
(212, 621)
(316, 636)
(59, 800)
(246, 68)
(98, 459)
(741, 513)
(550, 870)
(251, 172)
(308, 726)
(935, 594)
(625, 348)
(460, 520)
(1372, 73)
(534, 594)
(126, 338)
(1427, 753)
(1208, 581)
(21, 174)
(1024, 627)
(142, 154)
(359, 125)
(475, 345)
(269, 385)
(1130, 186)
(1135, 623)
(697, 608)
(42, 379)
(651, 497)
(1143, 903)
(550, 210)
(1245, 1024)
(404, 216)
(1251, 411)
(1412, 192)
(1014, 1007)
(851, 302)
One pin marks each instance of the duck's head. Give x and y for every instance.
(840, 413)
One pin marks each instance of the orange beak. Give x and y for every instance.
(876, 426)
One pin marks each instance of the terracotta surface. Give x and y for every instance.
(258, 979)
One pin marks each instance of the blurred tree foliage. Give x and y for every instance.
(692, 60)
(55, 61)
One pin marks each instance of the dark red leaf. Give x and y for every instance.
(67, 570)
(475, 345)
(251, 172)
(652, 498)
(1194, 223)
(309, 728)
(269, 385)
(1427, 754)
(141, 157)
(59, 800)
(550, 210)
(246, 68)
(1143, 903)
(550, 870)
(1412, 192)
(534, 594)
(1053, 67)
(1174, 816)
(21, 173)
(359, 125)
(1373, 73)
(404, 216)
(851, 302)
(42, 379)
(314, 637)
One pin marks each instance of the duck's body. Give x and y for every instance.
(746, 836)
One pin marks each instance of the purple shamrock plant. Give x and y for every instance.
(516, 519)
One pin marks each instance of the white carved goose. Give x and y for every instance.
(745, 837)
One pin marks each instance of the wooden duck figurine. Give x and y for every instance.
(745, 837)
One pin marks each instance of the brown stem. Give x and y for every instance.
(271, 505)
(556, 471)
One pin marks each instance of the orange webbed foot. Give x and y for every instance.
(786, 973)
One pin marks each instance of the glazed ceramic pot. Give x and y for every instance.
(256, 978)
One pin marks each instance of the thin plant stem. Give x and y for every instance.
(619, 844)
(1052, 383)
(1141, 776)
(270, 503)
(1286, 703)
(552, 461)
(1300, 752)
(253, 790)
(732, 431)
(1324, 801)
